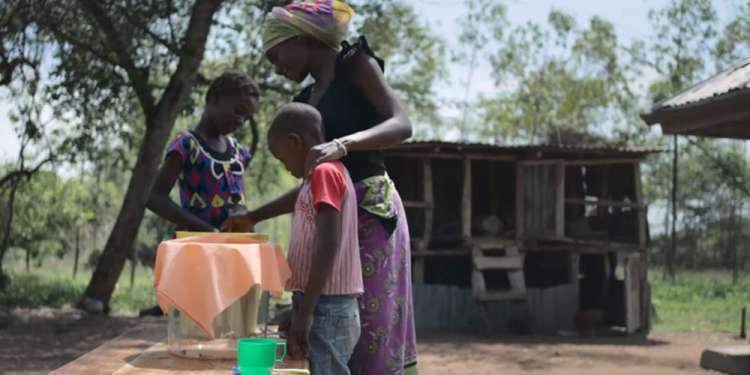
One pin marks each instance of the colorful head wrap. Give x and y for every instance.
(324, 20)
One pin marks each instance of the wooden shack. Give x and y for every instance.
(525, 239)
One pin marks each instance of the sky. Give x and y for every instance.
(629, 17)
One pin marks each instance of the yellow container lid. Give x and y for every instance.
(260, 237)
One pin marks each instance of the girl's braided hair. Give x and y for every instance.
(231, 83)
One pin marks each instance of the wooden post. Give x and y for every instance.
(519, 202)
(742, 324)
(429, 203)
(642, 235)
(643, 243)
(632, 292)
(466, 203)
(560, 204)
(673, 251)
(492, 169)
(574, 268)
(429, 209)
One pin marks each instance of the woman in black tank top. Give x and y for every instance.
(361, 117)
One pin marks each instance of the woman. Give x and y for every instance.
(361, 117)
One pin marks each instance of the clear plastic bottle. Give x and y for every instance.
(186, 339)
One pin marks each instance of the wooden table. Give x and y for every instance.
(143, 350)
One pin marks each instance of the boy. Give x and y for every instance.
(324, 248)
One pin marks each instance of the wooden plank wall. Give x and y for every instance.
(540, 200)
(553, 308)
(545, 311)
(442, 307)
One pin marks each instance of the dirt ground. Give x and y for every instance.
(36, 341)
(661, 353)
(39, 340)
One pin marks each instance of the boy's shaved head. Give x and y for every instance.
(299, 118)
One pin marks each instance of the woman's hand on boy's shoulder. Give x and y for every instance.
(240, 219)
(328, 151)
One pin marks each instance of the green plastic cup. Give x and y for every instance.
(257, 356)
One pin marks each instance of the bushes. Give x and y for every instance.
(30, 290)
(46, 289)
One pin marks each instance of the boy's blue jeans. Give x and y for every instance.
(335, 332)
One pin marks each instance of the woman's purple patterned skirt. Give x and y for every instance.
(387, 344)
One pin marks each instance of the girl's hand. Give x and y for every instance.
(205, 227)
(329, 151)
(240, 219)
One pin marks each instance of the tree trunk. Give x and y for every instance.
(742, 253)
(666, 245)
(78, 252)
(159, 124)
(28, 260)
(673, 249)
(116, 250)
(132, 271)
(6, 232)
(733, 243)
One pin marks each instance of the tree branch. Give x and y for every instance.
(730, 176)
(23, 172)
(8, 67)
(191, 54)
(67, 38)
(135, 21)
(111, 38)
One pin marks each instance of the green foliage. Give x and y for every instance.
(414, 56)
(687, 31)
(52, 287)
(45, 212)
(560, 76)
(33, 291)
(698, 301)
(554, 78)
(713, 174)
(734, 41)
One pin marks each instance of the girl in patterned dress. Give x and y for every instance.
(207, 161)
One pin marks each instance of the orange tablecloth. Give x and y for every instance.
(202, 276)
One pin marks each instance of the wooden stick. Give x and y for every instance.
(430, 253)
(466, 202)
(416, 204)
(519, 201)
(603, 202)
(601, 162)
(560, 200)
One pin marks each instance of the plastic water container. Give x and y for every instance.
(240, 320)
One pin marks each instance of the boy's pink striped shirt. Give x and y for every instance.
(346, 277)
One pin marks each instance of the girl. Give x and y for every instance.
(207, 161)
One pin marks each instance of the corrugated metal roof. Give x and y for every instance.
(487, 147)
(729, 81)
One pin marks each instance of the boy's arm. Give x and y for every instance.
(277, 207)
(328, 235)
(160, 203)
